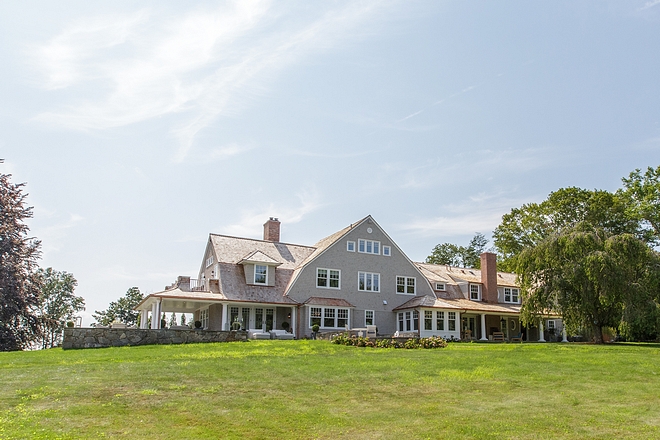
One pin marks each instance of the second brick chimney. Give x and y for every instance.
(489, 277)
(272, 229)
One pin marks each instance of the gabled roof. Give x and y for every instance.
(459, 304)
(259, 257)
(456, 275)
(233, 250)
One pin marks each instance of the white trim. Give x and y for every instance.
(254, 279)
(373, 317)
(369, 277)
(511, 295)
(365, 244)
(323, 316)
(406, 284)
(470, 292)
(328, 278)
(441, 286)
(389, 251)
(348, 246)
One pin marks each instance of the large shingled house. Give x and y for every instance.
(354, 278)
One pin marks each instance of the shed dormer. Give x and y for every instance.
(259, 269)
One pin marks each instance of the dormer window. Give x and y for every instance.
(475, 292)
(440, 286)
(260, 274)
(511, 295)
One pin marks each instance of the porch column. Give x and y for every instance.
(144, 318)
(563, 333)
(541, 337)
(224, 317)
(155, 319)
(483, 327)
(293, 321)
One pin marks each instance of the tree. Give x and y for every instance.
(460, 256)
(588, 275)
(642, 192)
(563, 210)
(57, 304)
(19, 283)
(122, 309)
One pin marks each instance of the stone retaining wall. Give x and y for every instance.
(115, 337)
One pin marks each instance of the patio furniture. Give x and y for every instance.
(258, 334)
(517, 338)
(371, 331)
(281, 334)
(498, 336)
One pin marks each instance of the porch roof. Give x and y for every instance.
(459, 304)
(331, 302)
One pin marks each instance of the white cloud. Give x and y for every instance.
(228, 151)
(250, 224)
(649, 4)
(53, 235)
(202, 65)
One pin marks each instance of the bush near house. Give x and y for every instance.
(358, 341)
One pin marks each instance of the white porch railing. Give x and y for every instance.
(198, 285)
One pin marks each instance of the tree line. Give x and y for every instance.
(589, 255)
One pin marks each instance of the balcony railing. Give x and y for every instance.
(198, 285)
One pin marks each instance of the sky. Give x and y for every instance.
(141, 128)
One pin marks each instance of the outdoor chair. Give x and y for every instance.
(517, 338)
(371, 331)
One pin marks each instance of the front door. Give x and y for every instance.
(469, 327)
(263, 319)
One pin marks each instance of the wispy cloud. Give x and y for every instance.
(251, 221)
(200, 66)
(53, 235)
(227, 151)
(328, 155)
(649, 4)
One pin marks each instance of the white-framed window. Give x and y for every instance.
(204, 318)
(260, 274)
(440, 320)
(475, 292)
(415, 320)
(387, 251)
(368, 246)
(428, 319)
(209, 260)
(451, 321)
(551, 324)
(328, 278)
(350, 246)
(406, 285)
(328, 317)
(511, 295)
(440, 286)
(369, 282)
(401, 321)
(369, 317)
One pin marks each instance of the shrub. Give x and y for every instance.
(356, 341)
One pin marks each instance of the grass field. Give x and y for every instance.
(314, 389)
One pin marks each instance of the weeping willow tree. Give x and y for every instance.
(589, 276)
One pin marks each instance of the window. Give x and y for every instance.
(475, 292)
(204, 318)
(439, 286)
(368, 246)
(350, 246)
(428, 320)
(328, 278)
(233, 316)
(415, 320)
(260, 274)
(551, 324)
(405, 285)
(315, 316)
(408, 321)
(369, 282)
(451, 321)
(328, 317)
(511, 295)
(368, 317)
(387, 251)
(440, 321)
(401, 321)
(209, 261)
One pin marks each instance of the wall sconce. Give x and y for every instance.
(288, 316)
(384, 302)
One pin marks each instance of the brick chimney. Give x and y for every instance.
(272, 230)
(489, 277)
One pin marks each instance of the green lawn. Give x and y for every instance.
(314, 389)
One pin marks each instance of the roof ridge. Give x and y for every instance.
(262, 241)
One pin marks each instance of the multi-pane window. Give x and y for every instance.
(387, 251)
(511, 295)
(475, 292)
(408, 321)
(428, 320)
(204, 318)
(368, 246)
(315, 316)
(368, 317)
(260, 274)
(369, 282)
(405, 285)
(328, 317)
(440, 320)
(415, 320)
(551, 324)
(350, 246)
(439, 286)
(327, 278)
(451, 321)
(233, 316)
(209, 260)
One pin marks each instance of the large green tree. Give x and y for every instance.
(20, 285)
(588, 275)
(460, 256)
(122, 309)
(57, 304)
(642, 192)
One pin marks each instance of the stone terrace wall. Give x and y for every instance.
(114, 337)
